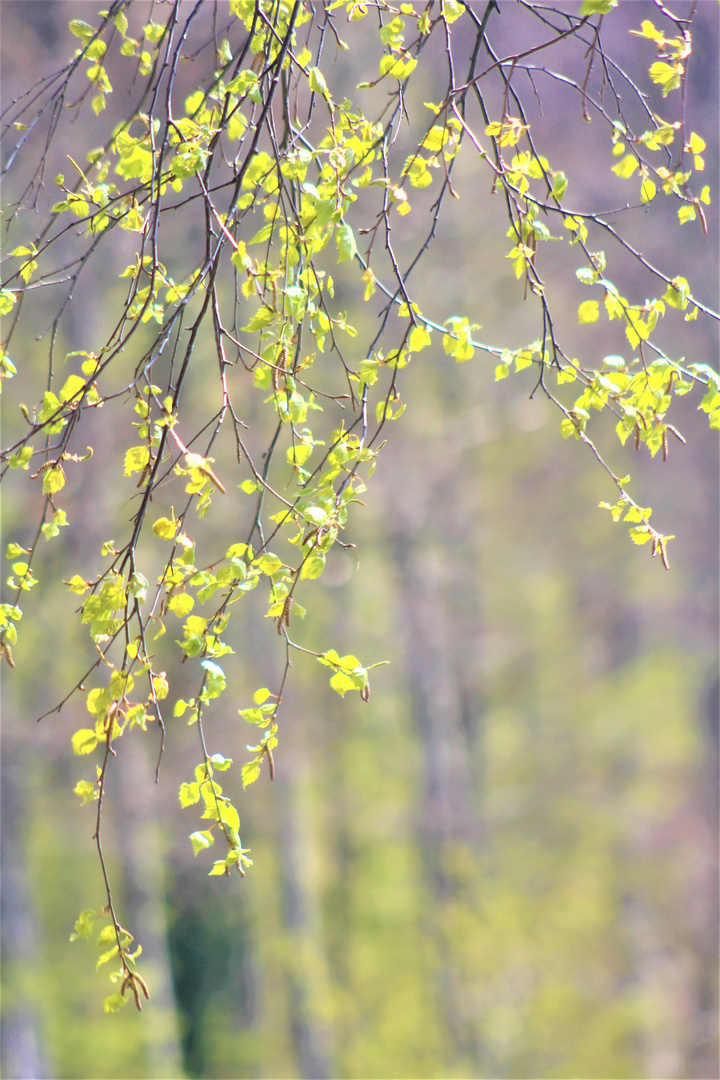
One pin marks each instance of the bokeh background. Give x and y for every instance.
(503, 865)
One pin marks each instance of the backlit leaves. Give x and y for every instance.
(588, 312)
(255, 315)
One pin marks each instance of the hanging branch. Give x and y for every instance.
(284, 177)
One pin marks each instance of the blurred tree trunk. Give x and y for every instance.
(305, 955)
(448, 826)
(703, 1056)
(140, 847)
(431, 574)
(21, 1040)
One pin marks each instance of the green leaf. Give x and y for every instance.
(52, 528)
(398, 65)
(81, 29)
(312, 568)
(257, 716)
(84, 741)
(316, 515)
(114, 1003)
(269, 564)
(341, 683)
(215, 682)
(262, 318)
(165, 528)
(626, 166)
(345, 240)
(418, 338)
(695, 144)
(53, 480)
(107, 956)
(138, 586)
(229, 815)
(417, 172)
(236, 551)
(98, 701)
(72, 386)
(189, 794)
(85, 924)
(154, 31)
(7, 299)
(77, 585)
(452, 10)
(568, 429)
(86, 791)
(435, 139)
(181, 604)
(669, 76)
(201, 841)
(559, 185)
(50, 407)
(136, 458)
(219, 762)
(647, 191)
(596, 7)
(317, 82)
(677, 293)
(106, 935)
(21, 460)
(588, 312)
(250, 772)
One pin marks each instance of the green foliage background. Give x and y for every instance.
(505, 863)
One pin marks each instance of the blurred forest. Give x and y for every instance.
(505, 864)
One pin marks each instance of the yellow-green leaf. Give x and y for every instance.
(53, 480)
(84, 741)
(647, 191)
(136, 458)
(626, 166)
(588, 312)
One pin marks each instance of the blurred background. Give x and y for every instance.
(503, 865)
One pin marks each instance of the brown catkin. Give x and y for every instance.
(279, 368)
